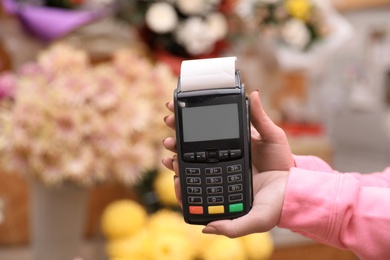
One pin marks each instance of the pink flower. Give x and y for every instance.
(7, 85)
(74, 122)
(30, 69)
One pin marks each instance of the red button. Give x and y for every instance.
(196, 210)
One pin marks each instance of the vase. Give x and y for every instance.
(57, 221)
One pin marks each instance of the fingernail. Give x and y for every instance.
(166, 104)
(165, 118)
(163, 141)
(209, 230)
(163, 162)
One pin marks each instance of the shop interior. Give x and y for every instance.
(65, 196)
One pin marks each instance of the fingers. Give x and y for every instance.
(177, 182)
(269, 189)
(170, 121)
(172, 164)
(238, 227)
(168, 162)
(170, 106)
(262, 123)
(170, 144)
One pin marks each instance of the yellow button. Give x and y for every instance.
(216, 209)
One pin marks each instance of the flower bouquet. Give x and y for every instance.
(72, 125)
(302, 32)
(183, 29)
(72, 122)
(296, 24)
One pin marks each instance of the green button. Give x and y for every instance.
(236, 207)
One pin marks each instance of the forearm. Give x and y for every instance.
(310, 162)
(335, 209)
(375, 179)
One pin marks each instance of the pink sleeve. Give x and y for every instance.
(375, 179)
(336, 209)
(313, 163)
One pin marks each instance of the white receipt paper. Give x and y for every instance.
(208, 74)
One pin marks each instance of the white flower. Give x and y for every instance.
(161, 17)
(195, 35)
(193, 6)
(295, 34)
(217, 24)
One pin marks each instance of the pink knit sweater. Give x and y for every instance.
(345, 210)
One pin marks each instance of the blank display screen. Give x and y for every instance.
(208, 123)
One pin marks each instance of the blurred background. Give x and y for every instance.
(83, 87)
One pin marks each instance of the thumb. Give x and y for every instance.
(242, 226)
(262, 123)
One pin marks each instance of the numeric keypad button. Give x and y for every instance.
(195, 200)
(213, 170)
(215, 199)
(234, 178)
(235, 188)
(234, 168)
(214, 180)
(235, 197)
(193, 180)
(192, 171)
(214, 190)
(194, 190)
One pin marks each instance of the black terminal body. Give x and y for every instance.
(214, 152)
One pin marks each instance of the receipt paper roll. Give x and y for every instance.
(211, 73)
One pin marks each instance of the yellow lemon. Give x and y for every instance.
(164, 188)
(170, 246)
(197, 238)
(123, 218)
(136, 247)
(166, 221)
(222, 248)
(258, 246)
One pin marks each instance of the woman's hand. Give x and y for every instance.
(271, 158)
(268, 192)
(270, 148)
